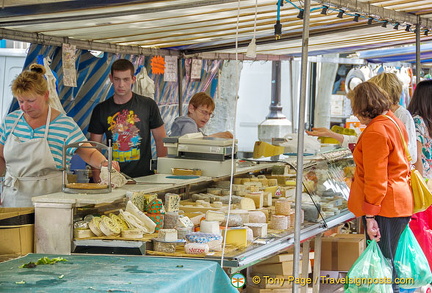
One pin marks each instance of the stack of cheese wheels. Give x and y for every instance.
(94, 226)
(109, 227)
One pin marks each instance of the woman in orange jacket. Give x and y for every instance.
(380, 191)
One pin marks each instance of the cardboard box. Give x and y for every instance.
(281, 268)
(339, 253)
(283, 257)
(16, 231)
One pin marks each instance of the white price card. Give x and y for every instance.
(170, 73)
(196, 69)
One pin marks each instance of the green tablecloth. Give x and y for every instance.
(101, 273)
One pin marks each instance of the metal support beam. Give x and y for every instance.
(300, 142)
(36, 38)
(418, 56)
(373, 10)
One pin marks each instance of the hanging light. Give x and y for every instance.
(370, 20)
(340, 14)
(396, 27)
(324, 10)
(384, 23)
(408, 27)
(278, 29)
(300, 15)
(356, 17)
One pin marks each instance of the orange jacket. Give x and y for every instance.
(381, 180)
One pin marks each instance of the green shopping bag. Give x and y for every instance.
(371, 272)
(410, 262)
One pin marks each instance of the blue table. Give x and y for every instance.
(105, 273)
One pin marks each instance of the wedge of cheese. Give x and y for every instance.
(263, 149)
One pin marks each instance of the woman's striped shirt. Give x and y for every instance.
(63, 130)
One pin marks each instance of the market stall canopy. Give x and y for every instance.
(401, 54)
(199, 26)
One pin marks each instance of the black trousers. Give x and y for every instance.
(391, 230)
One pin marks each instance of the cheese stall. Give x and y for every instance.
(208, 212)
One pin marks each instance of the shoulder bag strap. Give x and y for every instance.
(408, 155)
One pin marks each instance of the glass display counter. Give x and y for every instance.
(326, 180)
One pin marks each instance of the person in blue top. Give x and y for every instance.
(200, 110)
(31, 142)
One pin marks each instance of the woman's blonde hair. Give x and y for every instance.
(30, 81)
(390, 83)
(369, 100)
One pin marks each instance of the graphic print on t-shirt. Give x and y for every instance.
(125, 136)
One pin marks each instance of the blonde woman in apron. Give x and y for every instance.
(29, 143)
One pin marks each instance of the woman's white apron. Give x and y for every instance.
(30, 169)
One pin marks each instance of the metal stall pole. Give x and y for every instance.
(300, 142)
(179, 85)
(418, 61)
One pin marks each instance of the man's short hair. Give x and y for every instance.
(122, 65)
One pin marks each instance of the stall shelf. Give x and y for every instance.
(56, 236)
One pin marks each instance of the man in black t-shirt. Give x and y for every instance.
(127, 120)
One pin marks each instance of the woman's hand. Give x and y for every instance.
(114, 164)
(372, 229)
(320, 131)
(325, 132)
(225, 134)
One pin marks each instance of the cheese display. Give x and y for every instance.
(158, 219)
(172, 202)
(109, 227)
(183, 231)
(210, 227)
(263, 149)
(147, 223)
(197, 248)
(184, 221)
(163, 246)
(247, 204)
(120, 222)
(279, 222)
(267, 199)
(244, 214)
(199, 237)
(257, 217)
(257, 197)
(234, 220)
(156, 206)
(258, 229)
(261, 209)
(170, 220)
(132, 233)
(283, 207)
(83, 233)
(215, 216)
(167, 235)
(237, 237)
(94, 226)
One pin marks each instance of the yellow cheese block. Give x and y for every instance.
(236, 236)
(271, 189)
(290, 183)
(263, 149)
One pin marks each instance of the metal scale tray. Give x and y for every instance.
(72, 187)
